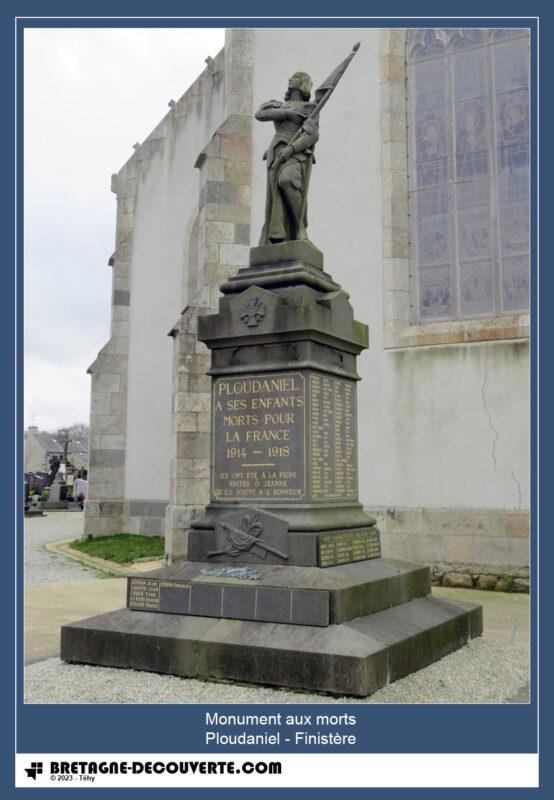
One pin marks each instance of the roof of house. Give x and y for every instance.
(48, 442)
(53, 445)
(78, 448)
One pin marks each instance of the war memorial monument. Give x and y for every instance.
(284, 583)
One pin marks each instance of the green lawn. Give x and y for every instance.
(123, 548)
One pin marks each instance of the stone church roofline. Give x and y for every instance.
(214, 68)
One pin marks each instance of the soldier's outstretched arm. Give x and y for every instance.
(271, 111)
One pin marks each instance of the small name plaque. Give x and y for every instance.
(155, 594)
(144, 594)
(343, 548)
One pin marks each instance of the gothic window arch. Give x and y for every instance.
(468, 159)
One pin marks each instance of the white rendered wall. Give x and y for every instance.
(167, 197)
(442, 426)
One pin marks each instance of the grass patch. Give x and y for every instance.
(123, 548)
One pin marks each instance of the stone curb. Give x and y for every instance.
(63, 549)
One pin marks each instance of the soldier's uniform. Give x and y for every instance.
(287, 185)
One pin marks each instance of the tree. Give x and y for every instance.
(79, 432)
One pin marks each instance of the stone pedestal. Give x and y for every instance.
(284, 419)
(284, 582)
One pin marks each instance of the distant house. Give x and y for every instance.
(39, 449)
(41, 446)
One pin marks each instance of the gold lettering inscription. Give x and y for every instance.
(247, 386)
(258, 437)
(173, 585)
(343, 548)
(333, 439)
(144, 593)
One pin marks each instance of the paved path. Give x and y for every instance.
(42, 566)
(58, 589)
(48, 606)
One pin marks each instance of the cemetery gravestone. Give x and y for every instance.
(57, 494)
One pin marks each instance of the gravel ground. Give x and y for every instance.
(41, 566)
(486, 671)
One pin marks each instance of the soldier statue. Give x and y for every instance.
(291, 154)
(289, 163)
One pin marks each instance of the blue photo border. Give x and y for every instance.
(98, 728)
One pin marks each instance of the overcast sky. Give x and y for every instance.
(89, 95)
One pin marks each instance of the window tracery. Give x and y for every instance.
(468, 131)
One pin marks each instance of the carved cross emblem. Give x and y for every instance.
(252, 312)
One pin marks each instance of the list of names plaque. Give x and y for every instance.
(334, 455)
(258, 437)
(144, 593)
(348, 546)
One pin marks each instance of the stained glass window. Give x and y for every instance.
(468, 130)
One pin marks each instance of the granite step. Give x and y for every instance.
(353, 658)
(269, 593)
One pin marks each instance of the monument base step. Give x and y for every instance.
(269, 593)
(353, 658)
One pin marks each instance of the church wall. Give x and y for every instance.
(443, 429)
(131, 394)
(219, 249)
(443, 412)
(167, 198)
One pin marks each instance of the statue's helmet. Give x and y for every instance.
(301, 81)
